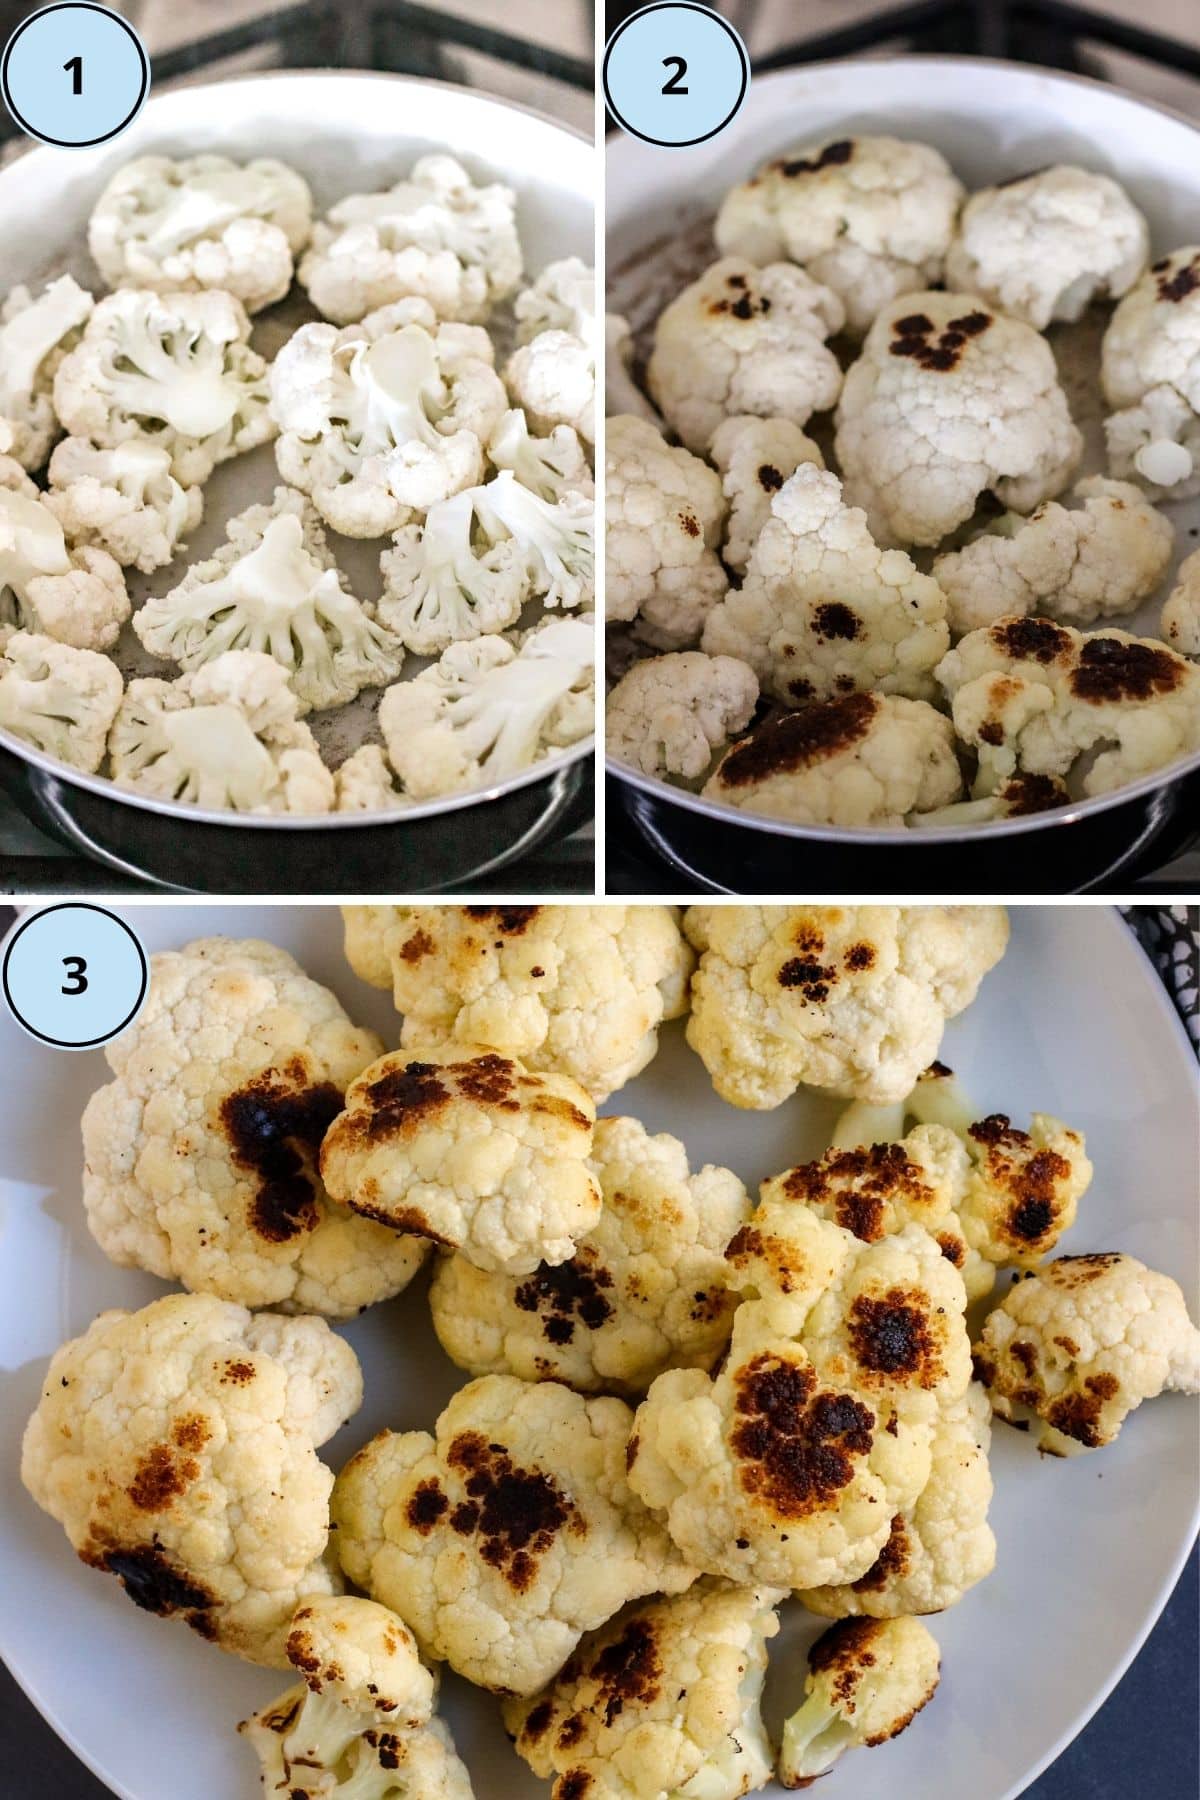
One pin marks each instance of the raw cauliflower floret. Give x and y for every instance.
(946, 402)
(510, 1534)
(563, 298)
(553, 467)
(1088, 562)
(204, 222)
(849, 999)
(60, 700)
(201, 1156)
(227, 735)
(273, 587)
(1046, 246)
(740, 340)
(434, 236)
(1031, 697)
(175, 368)
(384, 416)
(124, 500)
(621, 392)
(471, 1151)
(485, 710)
(364, 783)
(867, 1680)
(755, 457)
(941, 1547)
(865, 759)
(1150, 373)
(1181, 609)
(645, 1290)
(578, 989)
(870, 217)
(35, 335)
(1077, 1345)
(823, 610)
(664, 513)
(663, 1701)
(177, 1448)
(552, 378)
(670, 714)
(75, 595)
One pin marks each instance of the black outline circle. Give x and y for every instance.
(75, 906)
(76, 143)
(676, 6)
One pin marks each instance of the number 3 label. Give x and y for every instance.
(76, 982)
(707, 73)
(76, 111)
(74, 976)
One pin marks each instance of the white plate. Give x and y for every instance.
(1073, 1021)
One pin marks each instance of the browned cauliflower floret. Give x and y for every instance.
(867, 1680)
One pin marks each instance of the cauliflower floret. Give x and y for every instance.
(551, 467)
(670, 714)
(553, 378)
(663, 1701)
(823, 610)
(867, 1680)
(740, 340)
(485, 710)
(76, 596)
(865, 759)
(578, 989)
(1090, 562)
(434, 236)
(1044, 247)
(1032, 696)
(563, 298)
(1150, 372)
(645, 1290)
(364, 783)
(621, 392)
(849, 999)
(177, 1448)
(1077, 1345)
(60, 700)
(755, 457)
(947, 401)
(664, 512)
(273, 587)
(508, 1536)
(201, 1156)
(470, 1150)
(384, 416)
(1181, 609)
(942, 1546)
(227, 735)
(1019, 796)
(175, 368)
(205, 222)
(870, 217)
(35, 335)
(125, 500)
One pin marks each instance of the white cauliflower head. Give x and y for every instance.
(742, 339)
(1091, 561)
(621, 392)
(552, 467)
(663, 1700)
(849, 999)
(177, 1448)
(201, 1155)
(578, 989)
(1074, 1347)
(60, 700)
(74, 595)
(552, 377)
(227, 735)
(364, 783)
(1044, 247)
(203, 222)
(175, 368)
(273, 587)
(124, 500)
(510, 1534)
(434, 236)
(1019, 796)
(645, 1290)
(870, 217)
(823, 610)
(947, 401)
(1150, 373)
(664, 511)
(1181, 608)
(867, 1680)
(35, 335)
(563, 298)
(864, 759)
(669, 715)
(755, 457)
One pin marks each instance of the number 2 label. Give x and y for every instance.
(680, 67)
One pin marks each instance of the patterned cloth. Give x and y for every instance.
(1170, 936)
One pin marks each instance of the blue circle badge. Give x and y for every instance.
(675, 73)
(74, 74)
(74, 976)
